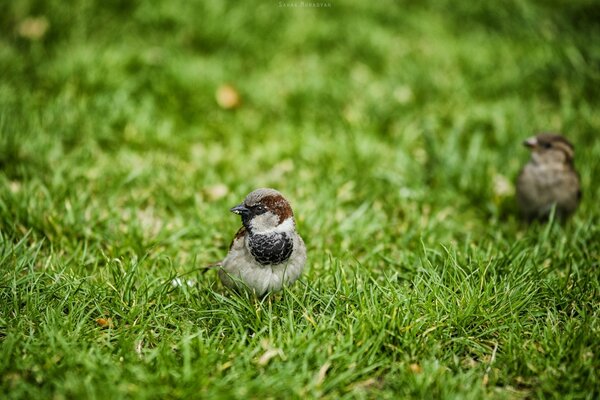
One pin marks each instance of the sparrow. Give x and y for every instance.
(266, 252)
(549, 178)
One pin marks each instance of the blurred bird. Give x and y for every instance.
(266, 252)
(549, 179)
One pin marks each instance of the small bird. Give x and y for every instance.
(266, 252)
(549, 179)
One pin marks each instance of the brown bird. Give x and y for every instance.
(267, 252)
(549, 179)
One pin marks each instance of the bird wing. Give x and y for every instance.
(240, 234)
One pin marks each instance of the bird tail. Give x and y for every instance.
(211, 266)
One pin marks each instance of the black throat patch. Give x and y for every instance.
(272, 248)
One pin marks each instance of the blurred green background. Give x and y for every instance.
(127, 130)
(390, 103)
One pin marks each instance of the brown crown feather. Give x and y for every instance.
(278, 206)
(559, 142)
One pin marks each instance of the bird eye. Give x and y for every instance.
(546, 145)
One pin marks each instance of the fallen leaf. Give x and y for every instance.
(105, 322)
(33, 28)
(227, 97)
(415, 368)
(217, 191)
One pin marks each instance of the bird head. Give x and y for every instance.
(550, 148)
(264, 211)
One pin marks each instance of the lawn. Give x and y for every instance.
(127, 131)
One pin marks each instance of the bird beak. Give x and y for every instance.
(239, 209)
(531, 142)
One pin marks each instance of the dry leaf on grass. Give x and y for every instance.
(415, 368)
(105, 322)
(33, 28)
(227, 97)
(216, 192)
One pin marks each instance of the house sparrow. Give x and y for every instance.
(549, 178)
(266, 252)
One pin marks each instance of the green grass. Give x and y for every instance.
(394, 129)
